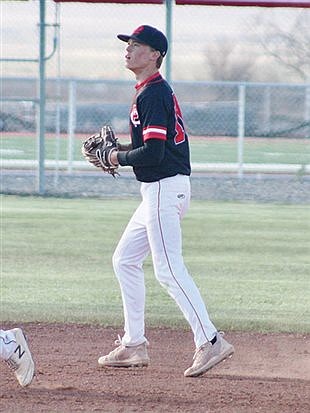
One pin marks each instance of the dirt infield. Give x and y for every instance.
(268, 373)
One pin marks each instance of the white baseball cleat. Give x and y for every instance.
(124, 356)
(209, 355)
(21, 360)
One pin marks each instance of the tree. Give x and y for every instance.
(290, 47)
(228, 60)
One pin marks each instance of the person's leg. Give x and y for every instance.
(128, 258)
(168, 201)
(7, 344)
(15, 351)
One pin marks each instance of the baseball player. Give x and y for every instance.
(159, 155)
(15, 352)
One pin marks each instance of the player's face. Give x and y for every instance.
(140, 56)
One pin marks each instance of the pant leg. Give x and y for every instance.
(7, 344)
(168, 201)
(128, 258)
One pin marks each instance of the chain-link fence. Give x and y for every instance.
(209, 108)
(236, 72)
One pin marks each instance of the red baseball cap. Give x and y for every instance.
(150, 36)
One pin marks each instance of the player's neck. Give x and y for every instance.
(144, 74)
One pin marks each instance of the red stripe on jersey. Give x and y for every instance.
(154, 132)
(148, 80)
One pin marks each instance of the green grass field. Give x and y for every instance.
(263, 150)
(250, 261)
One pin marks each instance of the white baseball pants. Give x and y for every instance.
(155, 227)
(7, 344)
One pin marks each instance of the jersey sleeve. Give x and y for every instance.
(154, 116)
(150, 154)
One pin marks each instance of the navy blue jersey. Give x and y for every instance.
(160, 147)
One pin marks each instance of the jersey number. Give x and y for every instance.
(179, 124)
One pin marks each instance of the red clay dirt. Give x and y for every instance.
(268, 373)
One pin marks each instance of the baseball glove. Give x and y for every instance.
(97, 150)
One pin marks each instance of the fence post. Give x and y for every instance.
(241, 118)
(307, 108)
(42, 97)
(266, 109)
(169, 38)
(71, 123)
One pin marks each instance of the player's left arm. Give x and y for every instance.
(150, 154)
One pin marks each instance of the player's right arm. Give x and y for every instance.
(124, 147)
